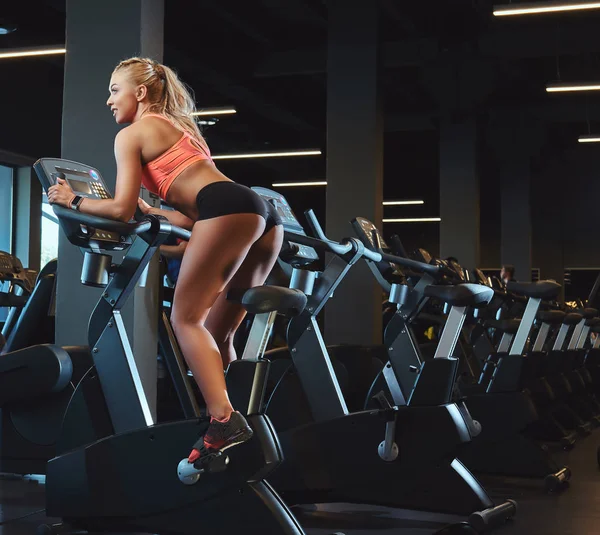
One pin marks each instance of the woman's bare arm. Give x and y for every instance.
(175, 217)
(173, 251)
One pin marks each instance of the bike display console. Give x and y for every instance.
(86, 182)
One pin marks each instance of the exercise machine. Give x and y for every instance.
(120, 471)
(501, 444)
(400, 456)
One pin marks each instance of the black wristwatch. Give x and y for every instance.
(76, 202)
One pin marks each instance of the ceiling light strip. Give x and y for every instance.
(28, 52)
(401, 203)
(298, 184)
(267, 154)
(589, 139)
(324, 183)
(214, 111)
(414, 220)
(537, 8)
(563, 88)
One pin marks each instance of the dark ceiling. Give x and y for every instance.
(268, 59)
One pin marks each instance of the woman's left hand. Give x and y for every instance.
(61, 193)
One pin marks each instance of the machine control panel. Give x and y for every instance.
(86, 182)
(12, 270)
(366, 233)
(9, 264)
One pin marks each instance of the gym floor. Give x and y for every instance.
(573, 512)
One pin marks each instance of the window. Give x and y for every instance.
(6, 220)
(49, 249)
(6, 208)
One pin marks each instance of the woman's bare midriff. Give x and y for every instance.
(184, 189)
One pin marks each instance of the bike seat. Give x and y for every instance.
(461, 295)
(538, 289)
(593, 322)
(263, 299)
(510, 326)
(572, 319)
(553, 317)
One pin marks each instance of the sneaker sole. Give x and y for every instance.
(242, 436)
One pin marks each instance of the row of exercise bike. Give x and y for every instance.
(397, 425)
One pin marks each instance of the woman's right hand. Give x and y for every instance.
(144, 206)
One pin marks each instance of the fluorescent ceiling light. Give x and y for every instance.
(542, 7)
(298, 184)
(589, 139)
(401, 203)
(561, 88)
(214, 111)
(414, 220)
(267, 154)
(26, 52)
(324, 183)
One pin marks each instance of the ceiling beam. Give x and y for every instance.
(550, 112)
(525, 43)
(12, 158)
(554, 111)
(246, 27)
(313, 60)
(509, 42)
(57, 5)
(410, 122)
(301, 61)
(297, 11)
(235, 92)
(403, 22)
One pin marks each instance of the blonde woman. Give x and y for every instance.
(236, 236)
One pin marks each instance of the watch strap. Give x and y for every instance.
(76, 202)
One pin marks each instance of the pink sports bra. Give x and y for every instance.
(160, 173)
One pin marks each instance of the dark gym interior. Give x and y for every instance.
(440, 102)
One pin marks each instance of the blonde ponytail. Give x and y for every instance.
(167, 94)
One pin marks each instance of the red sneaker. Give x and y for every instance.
(221, 435)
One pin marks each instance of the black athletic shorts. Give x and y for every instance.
(226, 198)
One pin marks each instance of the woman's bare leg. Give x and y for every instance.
(214, 254)
(226, 316)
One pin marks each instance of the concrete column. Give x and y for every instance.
(99, 35)
(551, 183)
(516, 140)
(28, 217)
(515, 182)
(459, 191)
(354, 160)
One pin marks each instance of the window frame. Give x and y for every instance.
(13, 207)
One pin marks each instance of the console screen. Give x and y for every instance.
(79, 186)
(281, 212)
(72, 172)
(284, 211)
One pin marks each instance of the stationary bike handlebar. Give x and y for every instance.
(406, 262)
(323, 244)
(111, 225)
